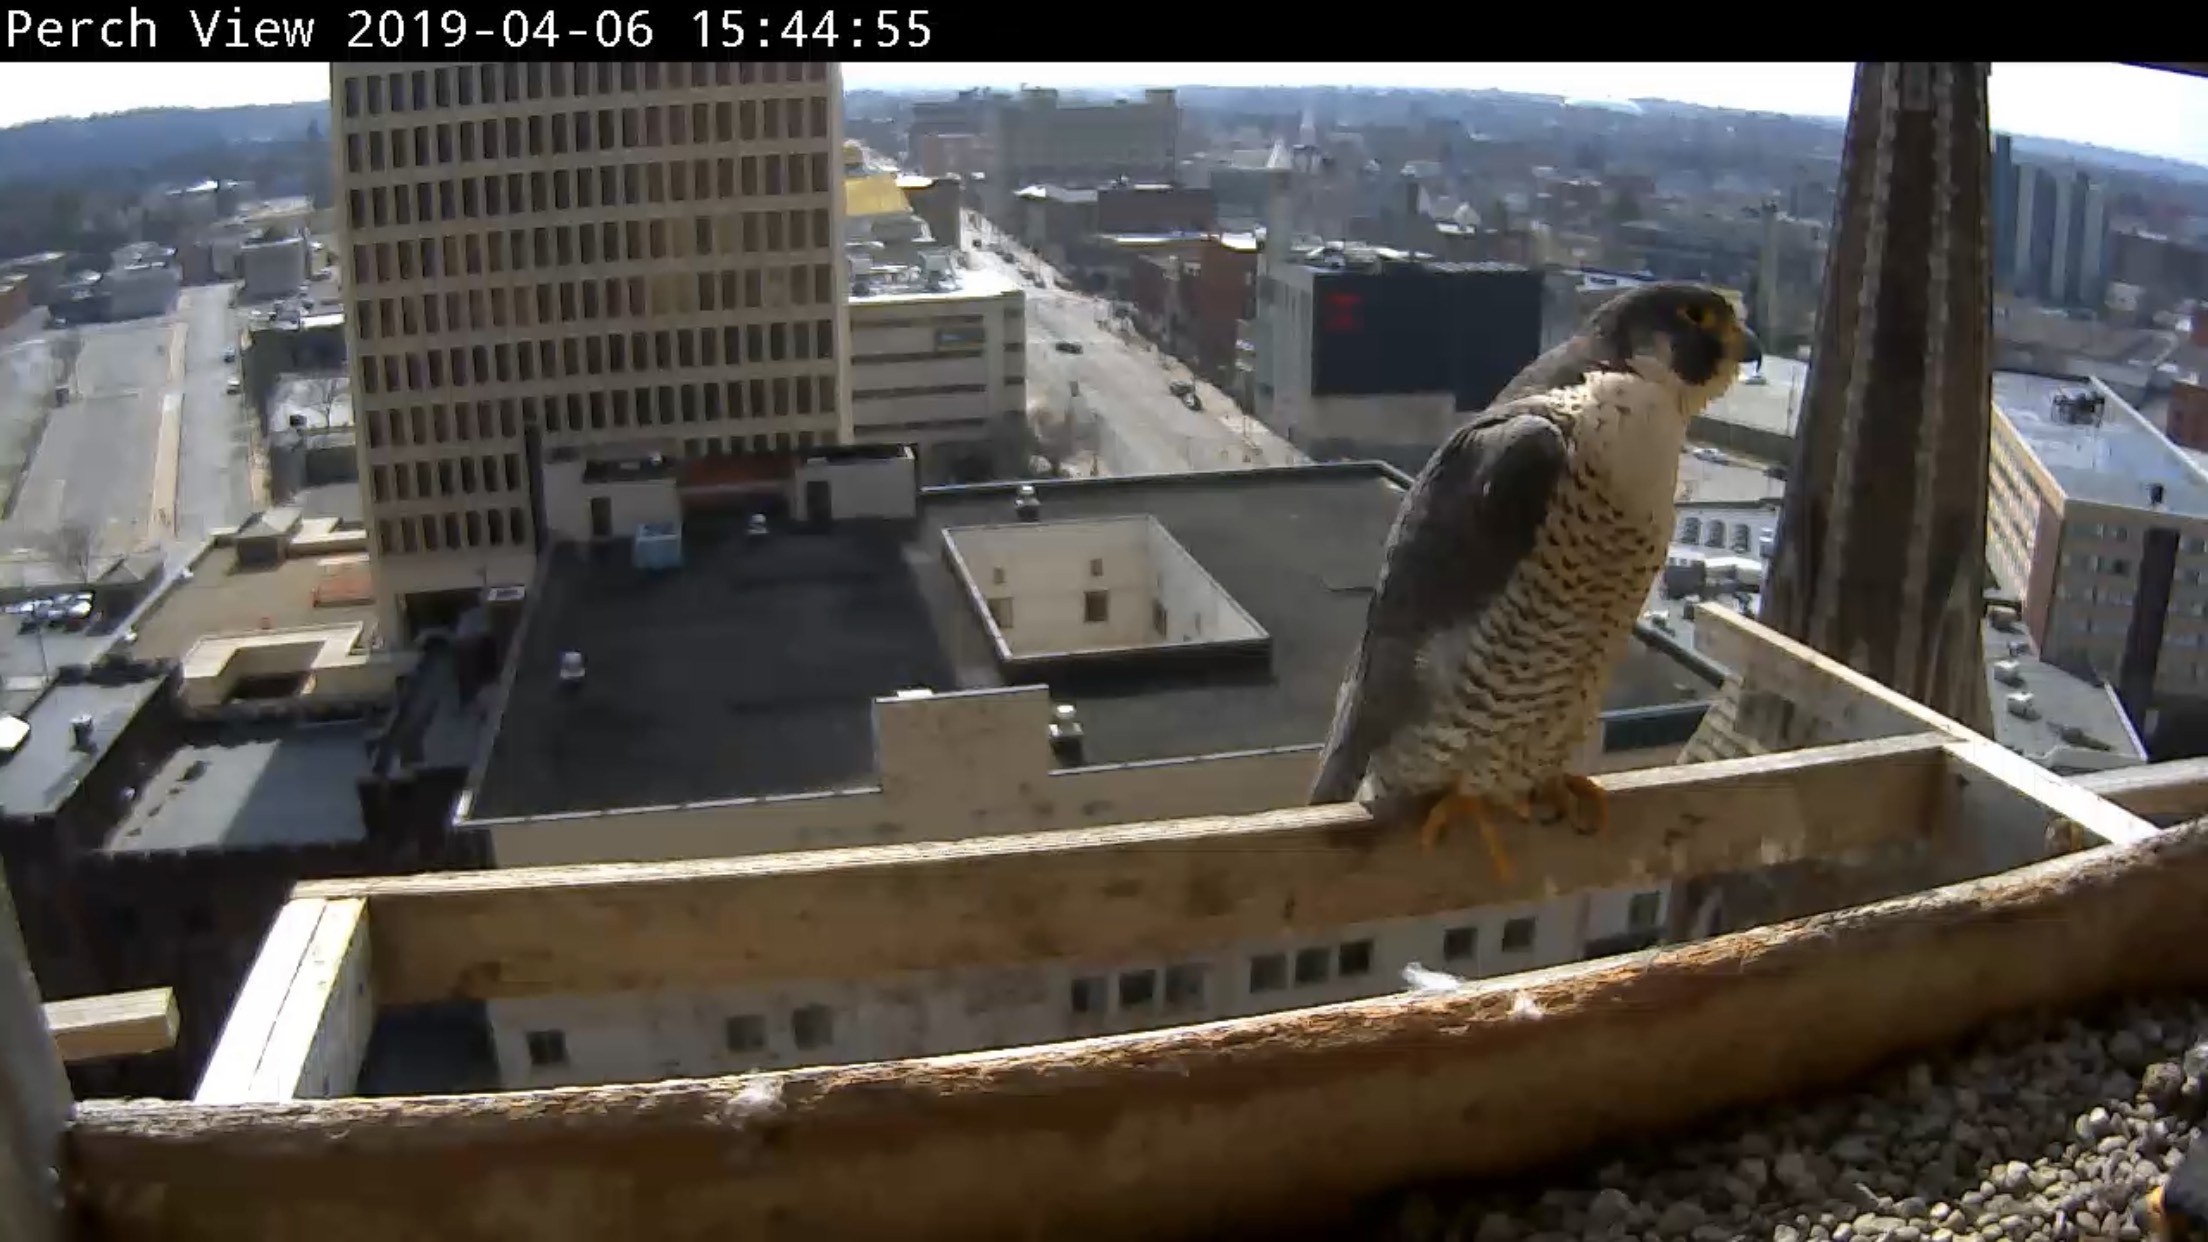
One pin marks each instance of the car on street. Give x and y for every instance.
(1180, 388)
(1067, 347)
(232, 385)
(230, 355)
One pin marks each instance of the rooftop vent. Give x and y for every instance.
(2002, 617)
(2008, 673)
(80, 732)
(1026, 504)
(2023, 706)
(571, 669)
(1067, 738)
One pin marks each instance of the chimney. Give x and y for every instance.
(1066, 745)
(80, 733)
(1026, 505)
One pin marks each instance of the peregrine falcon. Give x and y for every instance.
(1518, 562)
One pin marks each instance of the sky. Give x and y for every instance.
(2142, 110)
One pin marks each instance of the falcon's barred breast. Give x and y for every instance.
(1522, 555)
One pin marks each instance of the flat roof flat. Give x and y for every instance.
(283, 783)
(752, 670)
(46, 770)
(222, 598)
(2111, 462)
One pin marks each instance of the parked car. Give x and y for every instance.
(230, 355)
(233, 385)
(1180, 388)
(1067, 347)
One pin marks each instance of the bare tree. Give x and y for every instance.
(65, 348)
(75, 548)
(322, 393)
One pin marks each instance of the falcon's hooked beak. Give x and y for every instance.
(1743, 346)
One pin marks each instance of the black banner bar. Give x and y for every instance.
(521, 30)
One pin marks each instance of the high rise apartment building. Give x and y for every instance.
(607, 261)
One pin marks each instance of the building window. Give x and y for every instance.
(1518, 935)
(996, 576)
(1137, 988)
(1642, 912)
(1000, 611)
(1088, 995)
(1268, 972)
(812, 1026)
(746, 1032)
(1096, 607)
(547, 1048)
(1458, 944)
(1312, 966)
(1354, 959)
(1096, 567)
(1184, 985)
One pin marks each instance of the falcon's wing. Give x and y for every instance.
(1467, 522)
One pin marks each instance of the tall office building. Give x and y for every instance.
(634, 264)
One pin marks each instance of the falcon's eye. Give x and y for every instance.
(1700, 316)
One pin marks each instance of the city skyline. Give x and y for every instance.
(2117, 107)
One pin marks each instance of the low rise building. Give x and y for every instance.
(1367, 352)
(44, 272)
(272, 266)
(939, 362)
(246, 729)
(2099, 525)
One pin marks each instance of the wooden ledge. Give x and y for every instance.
(119, 1024)
(1107, 894)
(1204, 1128)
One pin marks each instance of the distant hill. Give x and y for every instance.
(53, 150)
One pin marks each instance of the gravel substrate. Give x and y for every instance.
(2040, 1132)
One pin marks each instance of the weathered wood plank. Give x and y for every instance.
(1115, 893)
(119, 1024)
(2175, 789)
(1831, 702)
(236, 1060)
(316, 1043)
(1203, 1131)
(2099, 818)
(34, 1097)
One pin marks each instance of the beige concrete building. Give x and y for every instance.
(940, 365)
(620, 262)
(2099, 525)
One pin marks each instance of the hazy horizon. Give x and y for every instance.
(2120, 108)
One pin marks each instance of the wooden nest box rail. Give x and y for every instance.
(2034, 891)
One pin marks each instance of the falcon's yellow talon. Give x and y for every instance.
(1580, 800)
(1482, 812)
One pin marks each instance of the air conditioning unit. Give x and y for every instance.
(2023, 706)
(2008, 673)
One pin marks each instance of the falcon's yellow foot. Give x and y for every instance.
(1576, 800)
(1483, 812)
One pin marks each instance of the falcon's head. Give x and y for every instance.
(1681, 335)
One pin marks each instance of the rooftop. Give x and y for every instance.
(222, 597)
(2110, 461)
(45, 770)
(961, 283)
(753, 671)
(279, 783)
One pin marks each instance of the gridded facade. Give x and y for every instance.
(620, 258)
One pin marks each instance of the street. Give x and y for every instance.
(1142, 428)
(148, 451)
